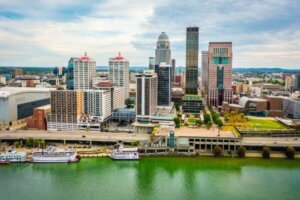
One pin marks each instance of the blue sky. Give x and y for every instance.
(265, 33)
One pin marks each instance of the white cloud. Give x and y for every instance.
(53, 31)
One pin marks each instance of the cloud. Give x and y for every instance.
(265, 33)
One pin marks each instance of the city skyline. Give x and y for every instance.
(266, 33)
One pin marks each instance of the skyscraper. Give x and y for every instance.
(173, 70)
(151, 63)
(146, 94)
(81, 72)
(192, 46)
(119, 73)
(204, 74)
(219, 73)
(163, 51)
(297, 82)
(164, 85)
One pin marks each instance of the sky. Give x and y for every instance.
(264, 33)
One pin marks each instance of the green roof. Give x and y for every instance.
(191, 97)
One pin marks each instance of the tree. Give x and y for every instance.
(266, 152)
(217, 151)
(290, 152)
(42, 144)
(241, 152)
(29, 142)
(219, 122)
(209, 125)
(199, 122)
(206, 118)
(17, 144)
(177, 107)
(177, 122)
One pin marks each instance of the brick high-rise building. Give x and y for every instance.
(219, 73)
(66, 107)
(192, 46)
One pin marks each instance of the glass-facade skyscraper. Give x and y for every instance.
(164, 85)
(192, 48)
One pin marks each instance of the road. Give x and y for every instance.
(73, 136)
(271, 141)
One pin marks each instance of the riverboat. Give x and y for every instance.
(55, 155)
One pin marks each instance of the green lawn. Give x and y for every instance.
(192, 120)
(261, 124)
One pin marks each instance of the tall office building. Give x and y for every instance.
(66, 107)
(164, 85)
(119, 73)
(192, 46)
(146, 94)
(290, 83)
(219, 73)
(163, 51)
(151, 63)
(97, 103)
(204, 74)
(297, 82)
(173, 70)
(81, 72)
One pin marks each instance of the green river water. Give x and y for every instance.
(153, 178)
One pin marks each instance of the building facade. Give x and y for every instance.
(192, 46)
(219, 73)
(192, 104)
(66, 107)
(204, 75)
(291, 108)
(151, 63)
(80, 73)
(163, 51)
(297, 82)
(19, 103)
(173, 70)
(119, 73)
(146, 94)
(164, 85)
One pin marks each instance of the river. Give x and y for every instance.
(153, 178)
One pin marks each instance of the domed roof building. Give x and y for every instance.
(163, 51)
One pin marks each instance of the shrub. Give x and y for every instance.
(290, 152)
(217, 151)
(135, 144)
(219, 122)
(199, 122)
(17, 144)
(266, 152)
(241, 152)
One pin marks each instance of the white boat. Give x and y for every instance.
(123, 153)
(55, 155)
(13, 156)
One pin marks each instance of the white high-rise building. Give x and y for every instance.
(119, 73)
(97, 103)
(81, 72)
(163, 51)
(146, 94)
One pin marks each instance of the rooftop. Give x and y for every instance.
(118, 58)
(192, 97)
(163, 37)
(5, 92)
